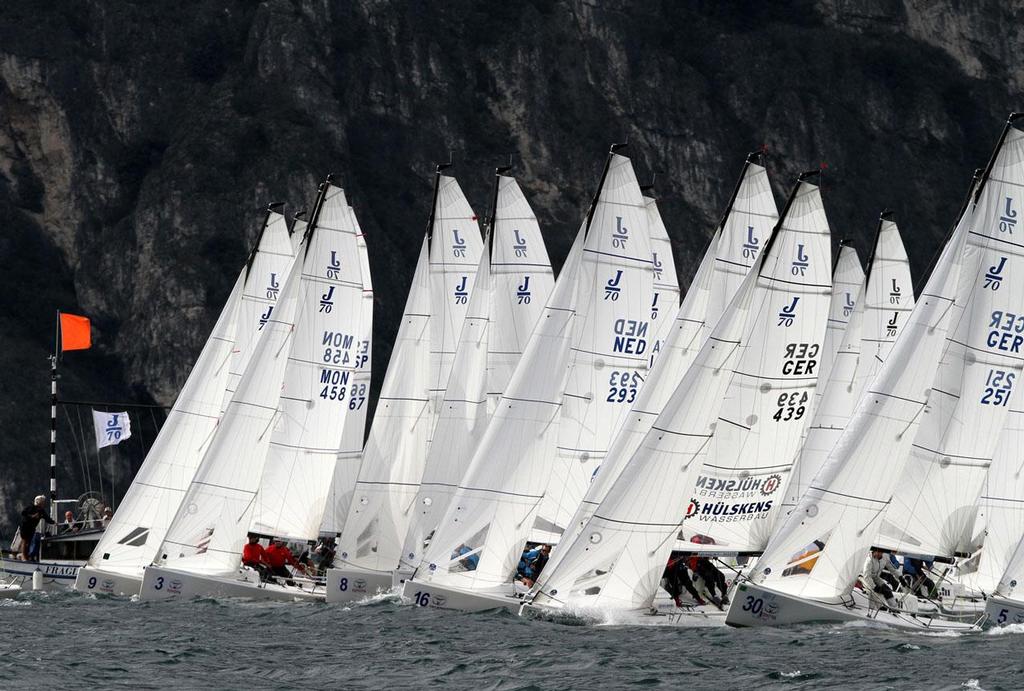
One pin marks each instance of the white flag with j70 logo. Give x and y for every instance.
(111, 428)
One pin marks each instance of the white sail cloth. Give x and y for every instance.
(847, 280)
(666, 283)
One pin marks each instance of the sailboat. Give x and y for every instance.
(276, 444)
(594, 332)
(412, 395)
(811, 564)
(513, 283)
(617, 560)
(739, 237)
(877, 317)
(133, 537)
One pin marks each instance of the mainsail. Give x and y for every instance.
(514, 273)
(935, 502)
(821, 546)
(610, 345)
(770, 398)
(134, 535)
(350, 451)
(327, 350)
(847, 279)
(666, 282)
(879, 314)
(268, 269)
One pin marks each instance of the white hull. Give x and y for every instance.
(93, 580)
(755, 605)
(697, 616)
(57, 575)
(352, 585)
(161, 583)
(1002, 611)
(440, 597)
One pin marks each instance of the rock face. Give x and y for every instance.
(139, 143)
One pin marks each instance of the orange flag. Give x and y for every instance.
(74, 332)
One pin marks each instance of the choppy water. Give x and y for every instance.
(71, 641)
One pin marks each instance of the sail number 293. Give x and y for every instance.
(622, 386)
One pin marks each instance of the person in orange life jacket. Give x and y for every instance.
(677, 578)
(277, 555)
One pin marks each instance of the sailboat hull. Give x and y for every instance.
(93, 580)
(58, 575)
(440, 597)
(352, 585)
(1002, 611)
(756, 605)
(160, 583)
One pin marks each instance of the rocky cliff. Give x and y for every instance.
(139, 143)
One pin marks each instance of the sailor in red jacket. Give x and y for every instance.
(277, 555)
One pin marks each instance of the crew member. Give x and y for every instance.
(277, 555)
(677, 578)
(877, 565)
(254, 556)
(30, 518)
(915, 575)
(532, 563)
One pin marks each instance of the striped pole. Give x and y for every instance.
(53, 424)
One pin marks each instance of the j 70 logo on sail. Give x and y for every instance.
(894, 294)
(1008, 221)
(611, 288)
(519, 245)
(994, 275)
(657, 266)
(801, 262)
(458, 244)
(620, 235)
(327, 300)
(788, 313)
(523, 291)
(273, 288)
(265, 317)
(461, 294)
(752, 244)
(334, 267)
(848, 304)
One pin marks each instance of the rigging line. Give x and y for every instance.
(85, 449)
(679, 526)
(881, 509)
(911, 423)
(74, 437)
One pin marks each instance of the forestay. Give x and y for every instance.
(770, 397)
(209, 526)
(392, 464)
(267, 271)
(327, 350)
(822, 544)
(611, 342)
(479, 540)
(350, 450)
(934, 505)
(879, 313)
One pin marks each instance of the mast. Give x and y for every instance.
(492, 211)
(271, 208)
(803, 177)
(752, 157)
(433, 199)
(600, 185)
(886, 215)
(53, 421)
(315, 218)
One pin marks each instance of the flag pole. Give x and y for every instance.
(53, 421)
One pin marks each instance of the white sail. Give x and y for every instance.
(1001, 507)
(455, 248)
(934, 505)
(879, 314)
(135, 532)
(740, 237)
(298, 231)
(521, 279)
(208, 530)
(666, 282)
(511, 288)
(267, 269)
(821, 546)
(327, 350)
(350, 450)
(618, 550)
(610, 346)
(888, 302)
(847, 279)
(770, 398)
(392, 464)
(459, 425)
